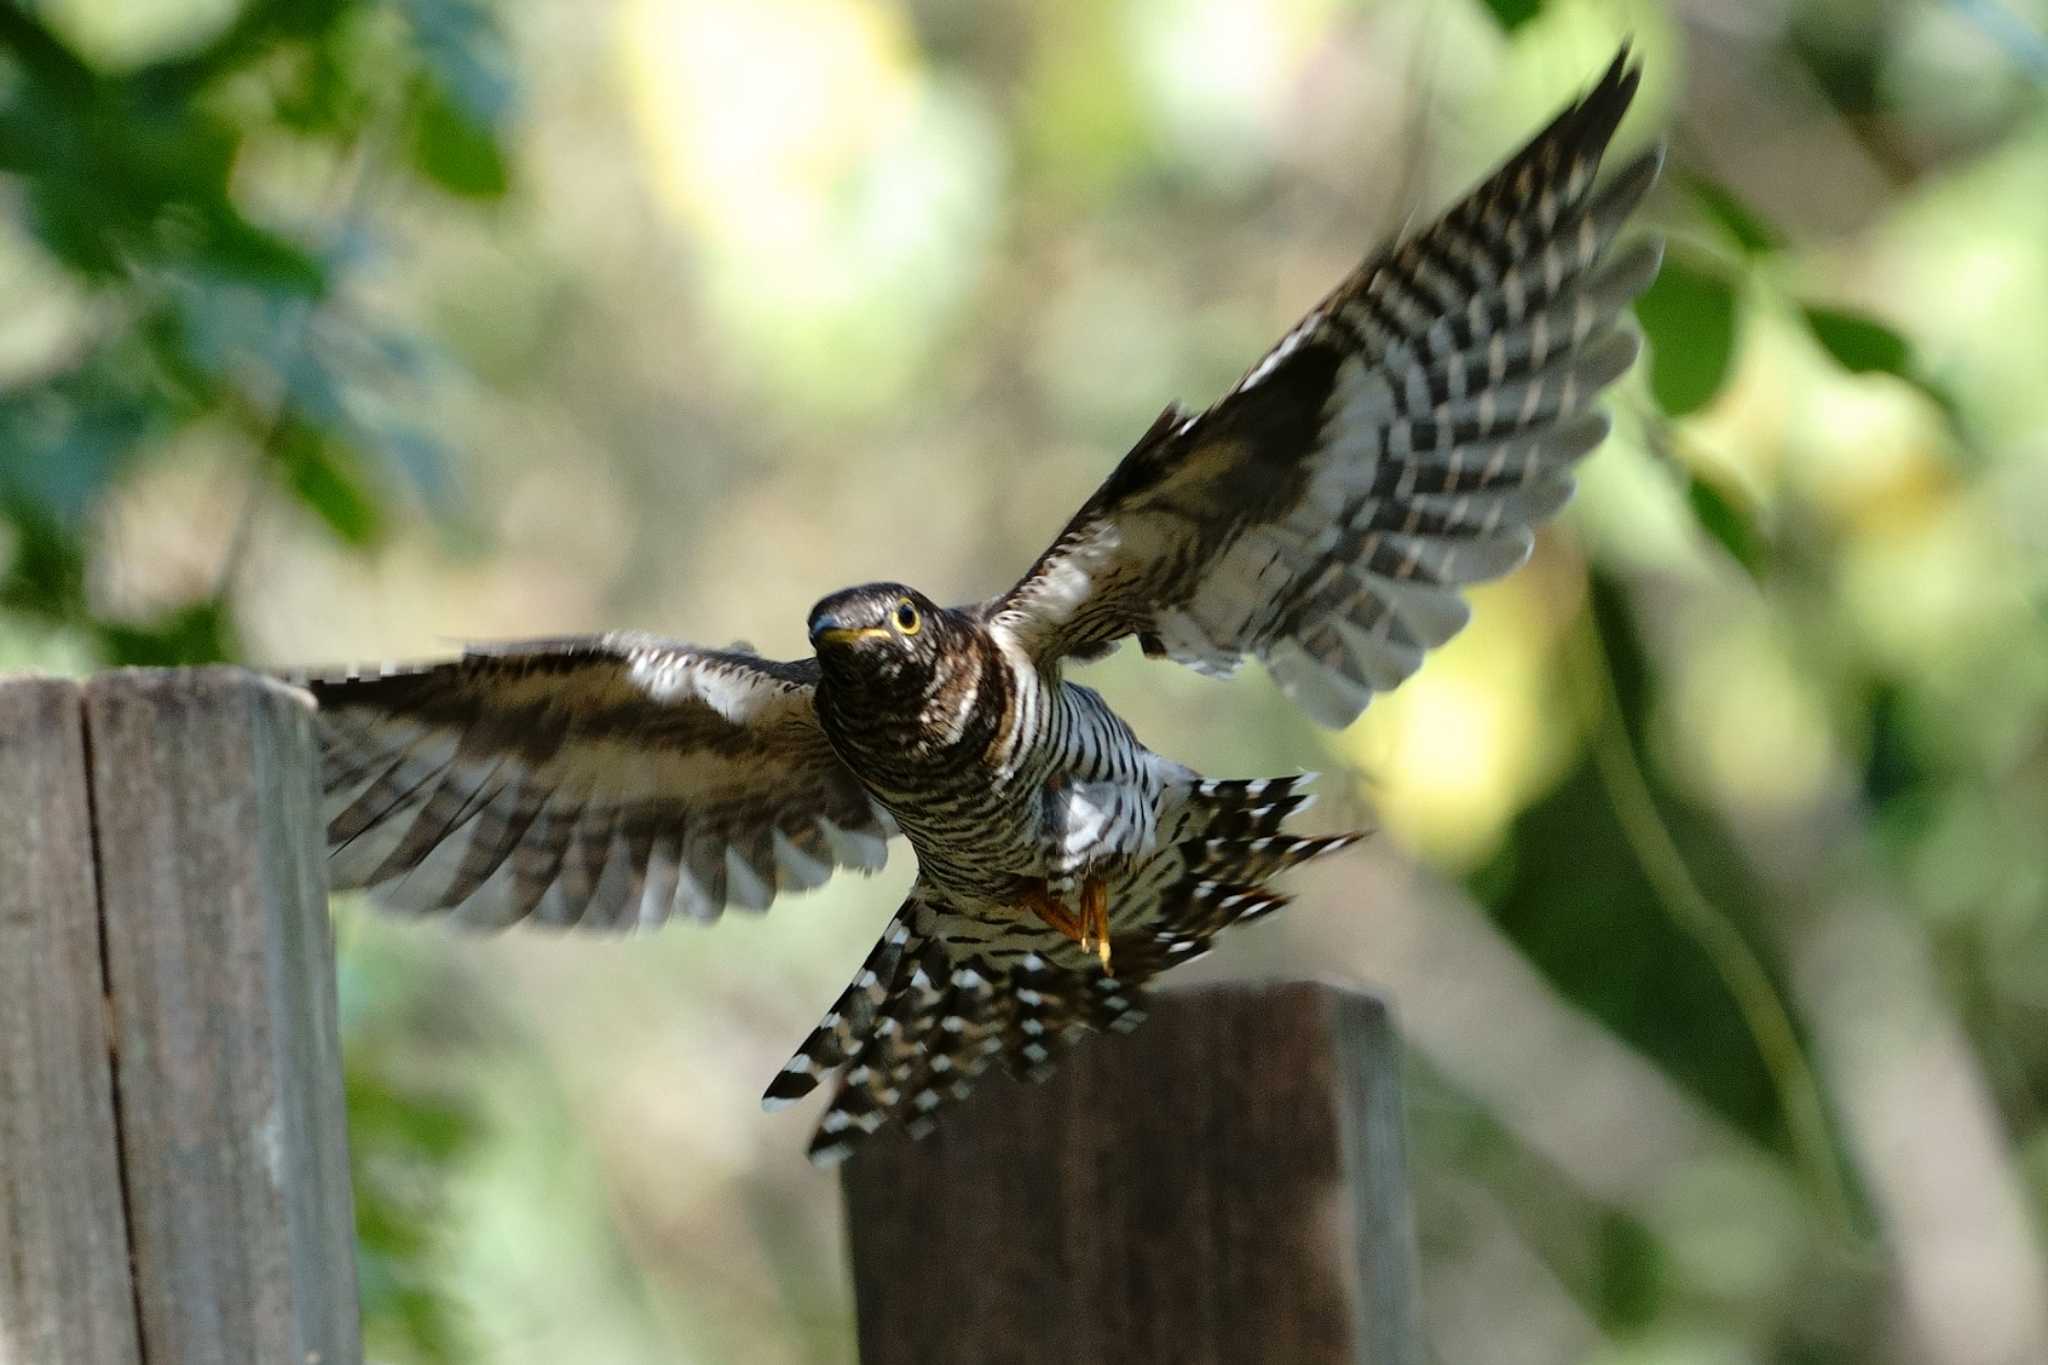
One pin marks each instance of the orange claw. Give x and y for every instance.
(1095, 920)
(1090, 928)
(1041, 903)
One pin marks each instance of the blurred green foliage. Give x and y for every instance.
(1512, 14)
(192, 305)
(1689, 315)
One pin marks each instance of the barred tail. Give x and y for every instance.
(845, 1026)
(940, 1000)
(1229, 846)
(1241, 842)
(925, 1017)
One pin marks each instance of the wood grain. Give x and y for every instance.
(65, 1294)
(221, 973)
(1225, 1184)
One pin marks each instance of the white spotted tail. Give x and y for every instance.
(938, 999)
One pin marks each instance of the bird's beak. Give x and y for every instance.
(826, 630)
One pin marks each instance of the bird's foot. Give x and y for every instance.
(1042, 903)
(1090, 928)
(1095, 920)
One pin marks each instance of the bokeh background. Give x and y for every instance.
(1711, 887)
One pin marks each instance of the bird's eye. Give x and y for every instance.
(907, 620)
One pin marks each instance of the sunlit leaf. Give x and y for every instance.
(318, 475)
(1859, 343)
(1688, 314)
(454, 151)
(1732, 522)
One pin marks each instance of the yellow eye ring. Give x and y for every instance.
(908, 622)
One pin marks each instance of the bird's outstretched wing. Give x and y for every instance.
(1401, 442)
(607, 782)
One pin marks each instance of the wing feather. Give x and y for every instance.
(607, 783)
(1400, 444)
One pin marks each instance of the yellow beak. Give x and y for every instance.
(843, 635)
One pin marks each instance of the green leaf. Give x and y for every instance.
(1512, 14)
(316, 472)
(1732, 521)
(46, 573)
(1688, 315)
(243, 251)
(201, 633)
(454, 151)
(1860, 344)
(1751, 231)
(1632, 1276)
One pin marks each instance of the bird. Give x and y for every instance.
(1401, 442)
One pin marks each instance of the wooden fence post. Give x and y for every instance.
(1225, 1184)
(65, 1294)
(182, 1193)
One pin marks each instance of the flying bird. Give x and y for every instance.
(1401, 442)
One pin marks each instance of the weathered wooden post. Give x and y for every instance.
(173, 1161)
(1225, 1184)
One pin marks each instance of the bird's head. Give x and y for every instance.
(883, 634)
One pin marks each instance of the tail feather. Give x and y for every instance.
(939, 1000)
(1235, 808)
(846, 1025)
(1254, 860)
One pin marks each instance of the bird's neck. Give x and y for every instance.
(949, 716)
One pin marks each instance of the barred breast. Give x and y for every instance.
(978, 766)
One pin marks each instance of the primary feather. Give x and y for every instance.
(606, 783)
(1400, 443)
